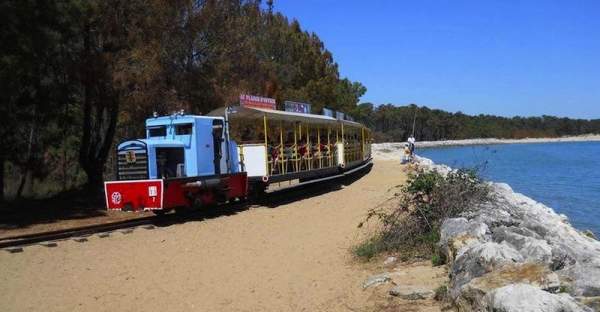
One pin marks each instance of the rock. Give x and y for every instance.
(453, 227)
(486, 244)
(591, 302)
(456, 233)
(478, 260)
(513, 235)
(493, 217)
(460, 226)
(537, 227)
(562, 256)
(390, 260)
(457, 246)
(376, 280)
(504, 187)
(527, 298)
(411, 292)
(473, 293)
(564, 218)
(532, 249)
(584, 276)
(536, 250)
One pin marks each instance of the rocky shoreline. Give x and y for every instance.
(428, 144)
(515, 254)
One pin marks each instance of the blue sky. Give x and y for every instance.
(494, 57)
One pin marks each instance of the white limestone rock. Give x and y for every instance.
(532, 249)
(456, 234)
(473, 293)
(478, 260)
(527, 298)
(377, 280)
(522, 230)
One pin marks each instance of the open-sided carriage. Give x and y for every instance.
(276, 146)
(188, 160)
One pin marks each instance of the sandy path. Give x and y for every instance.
(290, 258)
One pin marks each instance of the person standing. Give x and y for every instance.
(406, 156)
(411, 144)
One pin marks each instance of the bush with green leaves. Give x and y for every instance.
(427, 199)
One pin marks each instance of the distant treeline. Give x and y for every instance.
(77, 76)
(394, 123)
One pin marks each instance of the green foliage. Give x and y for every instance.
(564, 289)
(78, 76)
(367, 249)
(441, 293)
(423, 183)
(437, 258)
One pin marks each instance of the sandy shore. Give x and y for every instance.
(291, 257)
(425, 144)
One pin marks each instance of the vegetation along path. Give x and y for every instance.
(292, 257)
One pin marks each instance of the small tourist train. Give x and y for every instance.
(233, 152)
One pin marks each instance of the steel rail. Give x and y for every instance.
(30, 239)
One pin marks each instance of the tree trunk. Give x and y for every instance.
(87, 100)
(100, 113)
(26, 173)
(2, 171)
(21, 185)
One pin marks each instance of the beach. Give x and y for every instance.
(291, 257)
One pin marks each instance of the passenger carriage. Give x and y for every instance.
(188, 160)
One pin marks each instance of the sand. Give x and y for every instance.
(291, 257)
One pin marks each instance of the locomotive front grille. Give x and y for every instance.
(132, 165)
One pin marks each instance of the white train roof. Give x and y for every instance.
(246, 112)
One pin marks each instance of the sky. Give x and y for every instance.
(506, 57)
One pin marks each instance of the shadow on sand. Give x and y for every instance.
(76, 205)
(267, 201)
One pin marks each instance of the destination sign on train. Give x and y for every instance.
(254, 101)
(297, 107)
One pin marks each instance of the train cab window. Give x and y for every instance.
(183, 129)
(160, 131)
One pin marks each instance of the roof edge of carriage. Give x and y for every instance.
(247, 112)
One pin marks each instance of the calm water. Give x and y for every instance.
(564, 176)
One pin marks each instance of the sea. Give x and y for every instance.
(564, 176)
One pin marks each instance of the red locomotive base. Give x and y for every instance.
(157, 194)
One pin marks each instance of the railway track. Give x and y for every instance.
(15, 244)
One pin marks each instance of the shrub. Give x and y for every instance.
(437, 259)
(367, 249)
(441, 293)
(427, 199)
